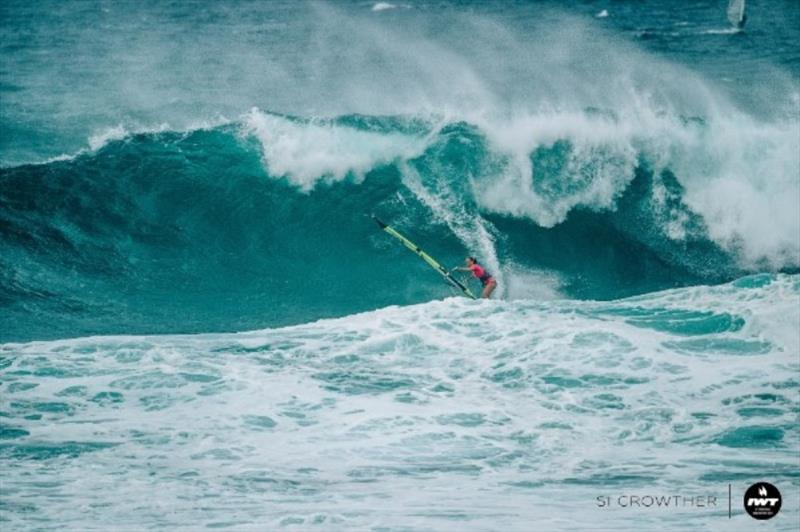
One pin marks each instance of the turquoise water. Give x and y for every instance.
(172, 174)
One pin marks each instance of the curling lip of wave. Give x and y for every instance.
(735, 173)
(306, 152)
(120, 132)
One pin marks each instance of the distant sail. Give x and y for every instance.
(736, 13)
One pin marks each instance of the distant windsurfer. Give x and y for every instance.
(737, 13)
(489, 283)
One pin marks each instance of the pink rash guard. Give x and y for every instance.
(482, 275)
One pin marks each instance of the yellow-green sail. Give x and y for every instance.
(427, 258)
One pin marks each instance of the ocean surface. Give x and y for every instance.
(202, 327)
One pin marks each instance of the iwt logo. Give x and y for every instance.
(762, 500)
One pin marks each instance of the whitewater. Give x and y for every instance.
(445, 415)
(202, 327)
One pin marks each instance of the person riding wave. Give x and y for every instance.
(489, 283)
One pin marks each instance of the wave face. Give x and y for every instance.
(265, 221)
(371, 420)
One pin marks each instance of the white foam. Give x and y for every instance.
(307, 152)
(120, 132)
(513, 402)
(522, 283)
(383, 6)
(722, 31)
(741, 176)
(104, 136)
(62, 157)
(600, 162)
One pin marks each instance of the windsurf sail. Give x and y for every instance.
(427, 258)
(736, 13)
